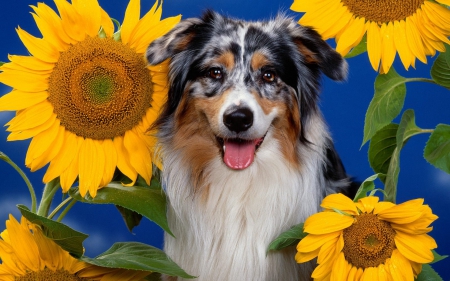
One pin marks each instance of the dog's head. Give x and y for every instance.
(233, 83)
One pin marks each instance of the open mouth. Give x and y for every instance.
(239, 154)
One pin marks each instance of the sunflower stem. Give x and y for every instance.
(5, 158)
(59, 207)
(66, 210)
(47, 197)
(421, 80)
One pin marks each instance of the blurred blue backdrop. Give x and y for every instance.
(344, 105)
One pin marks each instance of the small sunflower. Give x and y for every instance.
(413, 28)
(26, 254)
(86, 95)
(368, 240)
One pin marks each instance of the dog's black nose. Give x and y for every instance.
(238, 120)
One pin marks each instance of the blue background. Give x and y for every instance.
(344, 105)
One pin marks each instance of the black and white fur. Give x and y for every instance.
(266, 76)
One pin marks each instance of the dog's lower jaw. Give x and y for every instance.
(223, 230)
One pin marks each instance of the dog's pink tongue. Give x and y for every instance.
(239, 155)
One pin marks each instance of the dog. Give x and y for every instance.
(246, 151)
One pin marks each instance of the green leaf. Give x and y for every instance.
(70, 240)
(2, 63)
(437, 150)
(428, 274)
(358, 49)
(131, 218)
(387, 102)
(381, 148)
(406, 129)
(149, 202)
(288, 238)
(440, 71)
(138, 256)
(437, 257)
(367, 186)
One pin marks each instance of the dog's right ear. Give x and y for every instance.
(173, 42)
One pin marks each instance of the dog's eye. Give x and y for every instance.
(268, 76)
(215, 73)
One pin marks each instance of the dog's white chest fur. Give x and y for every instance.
(224, 234)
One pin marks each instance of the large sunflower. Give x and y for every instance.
(413, 28)
(368, 240)
(26, 254)
(86, 95)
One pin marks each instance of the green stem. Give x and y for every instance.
(421, 80)
(59, 207)
(24, 177)
(47, 197)
(64, 212)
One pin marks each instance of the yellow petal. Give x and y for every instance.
(324, 16)
(414, 40)
(31, 63)
(48, 15)
(367, 204)
(445, 2)
(39, 48)
(41, 142)
(107, 23)
(374, 44)
(51, 152)
(312, 242)
(438, 14)
(370, 274)
(90, 167)
(31, 117)
(303, 6)
(352, 274)
(415, 247)
(90, 15)
(382, 273)
(17, 100)
(71, 20)
(110, 161)
(340, 202)
(69, 175)
(140, 155)
(322, 271)
(400, 268)
(157, 31)
(49, 251)
(132, 14)
(61, 162)
(387, 46)
(431, 27)
(24, 81)
(123, 160)
(351, 36)
(406, 212)
(401, 43)
(328, 251)
(339, 271)
(149, 20)
(301, 257)
(29, 133)
(327, 222)
(341, 17)
(49, 31)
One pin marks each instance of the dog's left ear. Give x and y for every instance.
(316, 51)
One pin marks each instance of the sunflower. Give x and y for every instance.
(26, 254)
(413, 28)
(86, 95)
(368, 240)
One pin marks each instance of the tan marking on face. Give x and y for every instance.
(226, 59)
(196, 123)
(310, 56)
(258, 60)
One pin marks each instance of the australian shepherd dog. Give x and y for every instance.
(246, 151)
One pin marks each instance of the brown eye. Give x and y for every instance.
(215, 73)
(268, 76)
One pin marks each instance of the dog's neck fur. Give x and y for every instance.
(222, 233)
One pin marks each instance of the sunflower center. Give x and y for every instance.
(368, 242)
(49, 275)
(382, 11)
(100, 88)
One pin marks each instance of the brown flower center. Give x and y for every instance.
(100, 88)
(368, 242)
(382, 11)
(49, 275)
